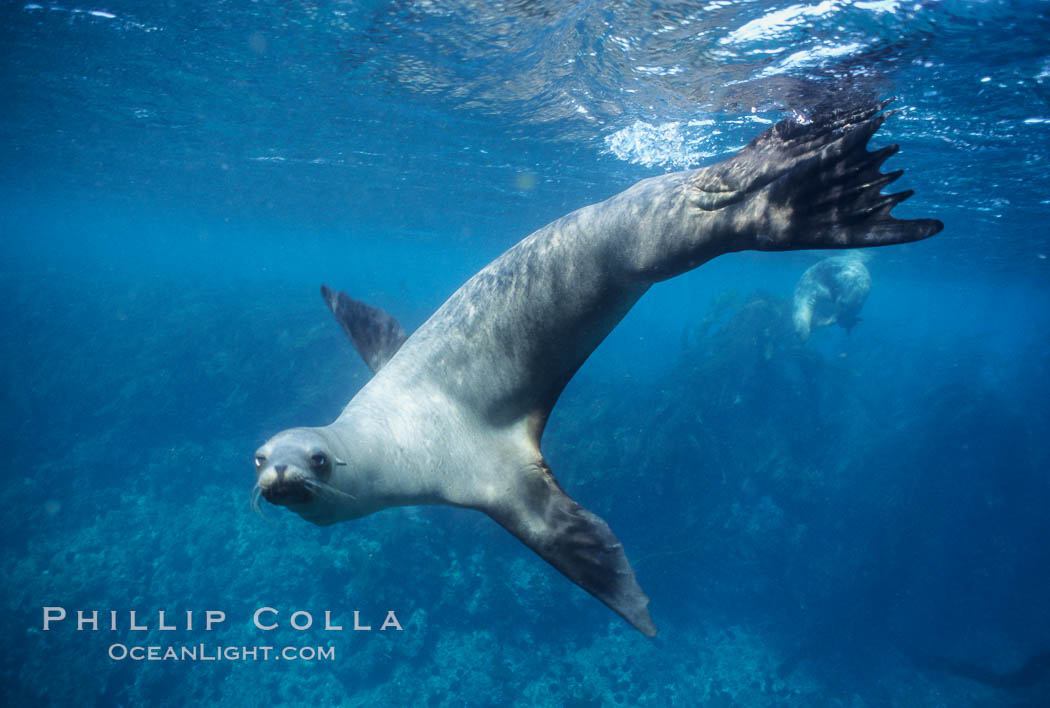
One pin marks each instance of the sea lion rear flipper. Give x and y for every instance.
(375, 335)
(813, 184)
(575, 541)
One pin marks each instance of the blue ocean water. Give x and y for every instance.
(860, 520)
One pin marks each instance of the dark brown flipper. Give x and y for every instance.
(375, 335)
(576, 542)
(814, 185)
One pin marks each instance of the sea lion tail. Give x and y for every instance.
(812, 184)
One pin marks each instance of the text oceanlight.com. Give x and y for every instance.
(202, 652)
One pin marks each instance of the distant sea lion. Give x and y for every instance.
(829, 292)
(455, 412)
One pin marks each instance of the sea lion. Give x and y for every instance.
(829, 292)
(455, 412)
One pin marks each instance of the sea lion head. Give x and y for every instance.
(293, 468)
(332, 474)
(848, 321)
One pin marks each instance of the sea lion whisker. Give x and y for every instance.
(254, 499)
(331, 491)
(326, 490)
(256, 504)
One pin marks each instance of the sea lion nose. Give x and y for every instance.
(280, 471)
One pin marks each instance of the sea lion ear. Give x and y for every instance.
(375, 335)
(575, 541)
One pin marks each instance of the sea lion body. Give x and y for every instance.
(832, 291)
(455, 412)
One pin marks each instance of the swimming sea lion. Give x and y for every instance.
(455, 412)
(829, 292)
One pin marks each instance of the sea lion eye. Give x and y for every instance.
(318, 459)
(260, 460)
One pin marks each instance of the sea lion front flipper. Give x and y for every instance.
(375, 335)
(575, 541)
